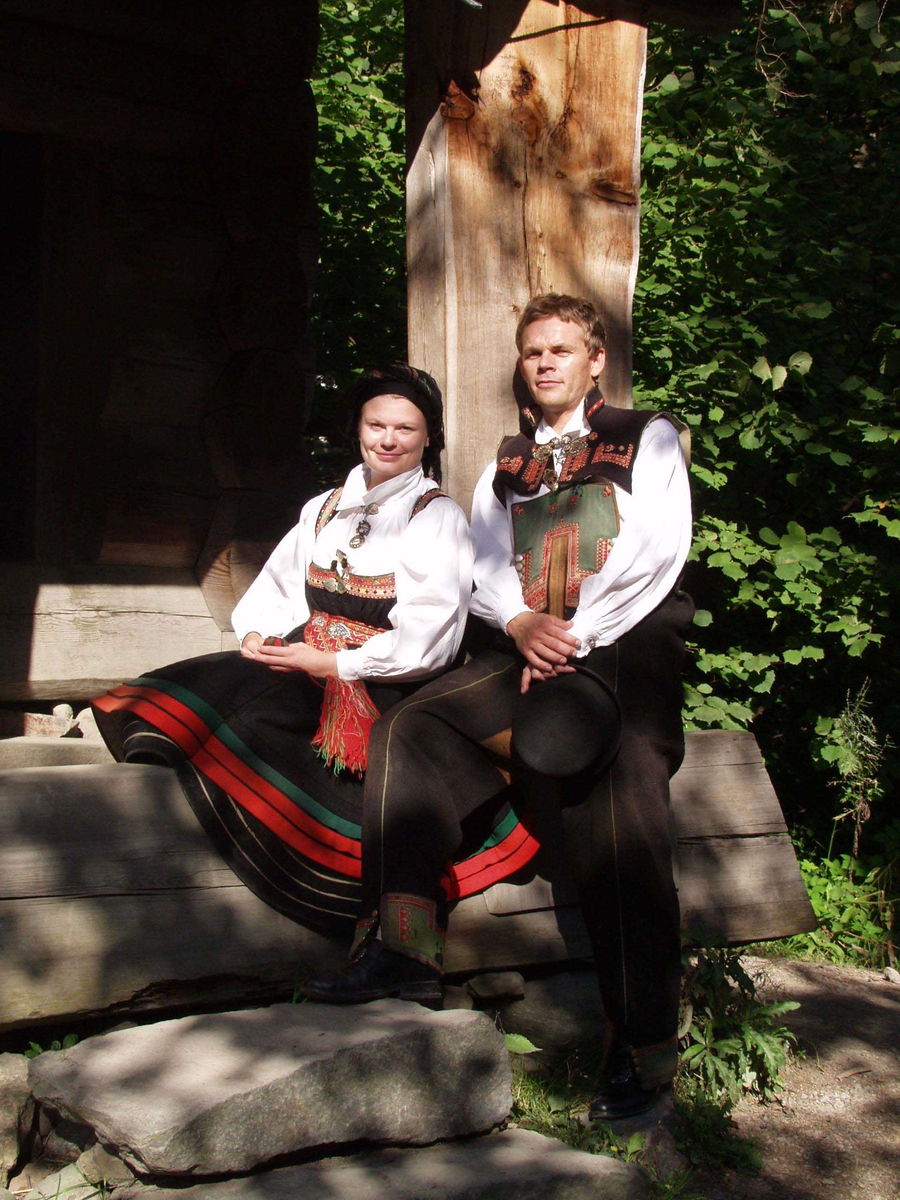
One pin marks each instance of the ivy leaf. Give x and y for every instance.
(518, 1043)
(800, 362)
(867, 15)
(761, 369)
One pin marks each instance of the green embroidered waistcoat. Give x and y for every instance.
(560, 539)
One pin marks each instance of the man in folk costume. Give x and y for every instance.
(582, 528)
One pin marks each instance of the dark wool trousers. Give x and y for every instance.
(428, 772)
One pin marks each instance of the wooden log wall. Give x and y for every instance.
(112, 898)
(179, 252)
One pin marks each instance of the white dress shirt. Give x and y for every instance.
(430, 556)
(644, 563)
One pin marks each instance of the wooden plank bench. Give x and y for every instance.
(112, 899)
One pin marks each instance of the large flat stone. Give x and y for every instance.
(221, 1093)
(514, 1165)
(18, 752)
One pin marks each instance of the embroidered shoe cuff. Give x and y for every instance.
(409, 925)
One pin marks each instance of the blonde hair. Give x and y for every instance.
(567, 308)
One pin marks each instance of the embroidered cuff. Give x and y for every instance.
(409, 925)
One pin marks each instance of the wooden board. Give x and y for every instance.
(112, 898)
(524, 127)
(71, 633)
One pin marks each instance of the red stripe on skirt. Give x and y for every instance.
(169, 716)
(240, 781)
(288, 833)
(492, 866)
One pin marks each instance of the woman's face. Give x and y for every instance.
(392, 437)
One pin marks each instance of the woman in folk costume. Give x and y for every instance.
(360, 603)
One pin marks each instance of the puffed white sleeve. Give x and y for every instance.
(649, 554)
(433, 577)
(498, 588)
(275, 603)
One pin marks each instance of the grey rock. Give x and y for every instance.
(16, 1111)
(67, 1184)
(99, 1166)
(31, 1175)
(5, 1194)
(17, 752)
(559, 1014)
(891, 975)
(497, 985)
(223, 1092)
(457, 997)
(66, 1141)
(515, 1165)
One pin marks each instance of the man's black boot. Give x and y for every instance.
(377, 972)
(621, 1094)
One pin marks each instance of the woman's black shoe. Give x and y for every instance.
(376, 973)
(621, 1094)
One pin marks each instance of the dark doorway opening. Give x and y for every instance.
(20, 256)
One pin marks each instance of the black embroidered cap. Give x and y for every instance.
(420, 388)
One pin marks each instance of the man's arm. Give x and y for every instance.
(649, 554)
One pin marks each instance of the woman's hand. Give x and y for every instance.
(298, 656)
(250, 645)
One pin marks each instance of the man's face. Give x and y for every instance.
(557, 367)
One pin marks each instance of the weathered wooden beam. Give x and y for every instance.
(72, 633)
(96, 88)
(524, 127)
(112, 899)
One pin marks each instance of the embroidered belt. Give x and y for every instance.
(348, 713)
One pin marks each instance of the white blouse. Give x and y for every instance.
(431, 557)
(644, 563)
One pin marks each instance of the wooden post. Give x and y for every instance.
(524, 122)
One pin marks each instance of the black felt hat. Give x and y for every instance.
(567, 725)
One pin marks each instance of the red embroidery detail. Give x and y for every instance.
(575, 463)
(424, 500)
(348, 713)
(621, 456)
(595, 407)
(328, 509)
(369, 587)
(533, 472)
(535, 591)
(510, 465)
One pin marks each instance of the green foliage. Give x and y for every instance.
(517, 1043)
(855, 910)
(705, 1133)
(855, 748)
(34, 1049)
(359, 317)
(767, 314)
(556, 1102)
(731, 1041)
